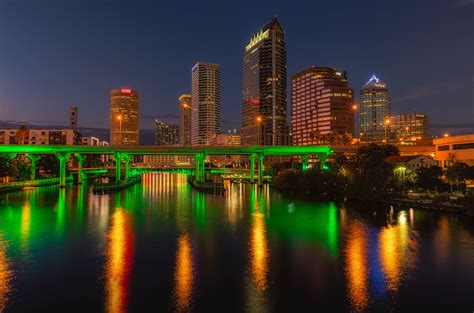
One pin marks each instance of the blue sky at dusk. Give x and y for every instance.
(56, 53)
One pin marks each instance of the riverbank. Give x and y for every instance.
(429, 204)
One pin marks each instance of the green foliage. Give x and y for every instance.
(5, 167)
(49, 164)
(20, 171)
(92, 160)
(429, 177)
(314, 183)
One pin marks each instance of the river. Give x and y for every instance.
(160, 246)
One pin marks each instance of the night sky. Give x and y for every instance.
(56, 53)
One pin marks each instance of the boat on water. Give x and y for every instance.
(114, 186)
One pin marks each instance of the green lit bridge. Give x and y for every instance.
(199, 153)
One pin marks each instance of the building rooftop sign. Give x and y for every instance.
(126, 90)
(375, 81)
(259, 36)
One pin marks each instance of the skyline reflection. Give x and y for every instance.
(184, 273)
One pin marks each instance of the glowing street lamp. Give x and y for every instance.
(446, 135)
(387, 122)
(119, 118)
(259, 122)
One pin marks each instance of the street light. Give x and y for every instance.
(119, 118)
(446, 135)
(387, 121)
(259, 122)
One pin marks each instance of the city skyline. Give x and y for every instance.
(415, 92)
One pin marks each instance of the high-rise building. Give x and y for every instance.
(409, 128)
(374, 111)
(40, 137)
(264, 108)
(206, 102)
(124, 117)
(166, 134)
(185, 119)
(321, 103)
(73, 118)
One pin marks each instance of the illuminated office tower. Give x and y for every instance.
(124, 117)
(374, 111)
(321, 103)
(410, 128)
(166, 134)
(185, 119)
(264, 88)
(73, 118)
(205, 102)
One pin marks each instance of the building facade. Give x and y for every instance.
(185, 119)
(264, 108)
(321, 103)
(409, 128)
(454, 148)
(124, 117)
(374, 111)
(40, 137)
(205, 102)
(166, 134)
(73, 118)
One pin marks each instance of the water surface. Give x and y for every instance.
(160, 246)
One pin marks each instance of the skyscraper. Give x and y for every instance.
(166, 134)
(124, 117)
(73, 118)
(185, 119)
(205, 103)
(321, 103)
(410, 128)
(374, 111)
(264, 88)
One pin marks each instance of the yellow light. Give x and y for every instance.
(183, 274)
(119, 117)
(387, 121)
(354, 107)
(259, 119)
(446, 135)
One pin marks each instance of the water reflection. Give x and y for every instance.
(6, 274)
(397, 251)
(259, 254)
(119, 262)
(183, 276)
(356, 265)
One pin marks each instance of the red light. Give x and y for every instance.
(126, 90)
(255, 101)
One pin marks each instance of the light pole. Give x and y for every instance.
(119, 118)
(387, 121)
(259, 122)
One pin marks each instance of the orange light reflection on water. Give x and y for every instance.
(183, 275)
(356, 266)
(119, 262)
(6, 274)
(259, 251)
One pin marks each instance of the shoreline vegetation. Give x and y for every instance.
(368, 177)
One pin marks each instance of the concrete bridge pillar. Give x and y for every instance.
(261, 158)
(126, 157)
(252, 168)
(63, 157)
(33, 158)
(118, 161)
(322, 160)
(200, 160)
(80, 159)
(304, 162)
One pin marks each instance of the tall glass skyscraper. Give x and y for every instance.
(374, 111)
(205, 102)
(264, 88)
(185, 119)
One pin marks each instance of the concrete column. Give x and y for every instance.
(118, 161)
(80, 159)
(203, 167)
(252, 168)
(304, 162)
(126, 157)
(197, 162)
(261, 157)
(322, 160)
(63, 157)
(33, 158)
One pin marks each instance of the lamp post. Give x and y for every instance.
(387, 121)
(259, 122)
(119, 118)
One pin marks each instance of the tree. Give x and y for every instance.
(49, 164)
(5, 167)
(456, 174)
(429, 178)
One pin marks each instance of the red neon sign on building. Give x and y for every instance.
(126, 90)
